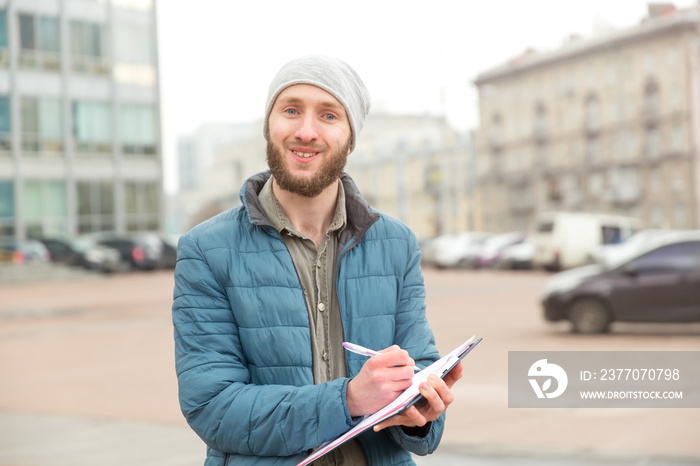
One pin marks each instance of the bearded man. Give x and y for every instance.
(266, 293)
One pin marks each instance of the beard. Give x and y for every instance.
(331, 170)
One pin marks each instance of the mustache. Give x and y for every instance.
(309, 147)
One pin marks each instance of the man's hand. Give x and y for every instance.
(438, 397)
(382, 378)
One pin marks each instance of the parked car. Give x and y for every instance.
(565, 239)
(83, 252)
(427, 250)
(61, 250)
(95, 256)
(493, 247)
(169, 256)
(517, 256)
(659, 283)
(612, 253)
(143, 251)
(459, 250)
(23, 251)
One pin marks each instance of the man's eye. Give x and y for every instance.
(291, 111)
(329, 116)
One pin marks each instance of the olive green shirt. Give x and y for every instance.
(316, 271)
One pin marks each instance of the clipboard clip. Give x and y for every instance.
(449, 362)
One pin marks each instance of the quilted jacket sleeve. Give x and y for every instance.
(221, 405)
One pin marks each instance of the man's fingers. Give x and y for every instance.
(410, 418)
(435, 398)
(391, 348)
(394, 356)
(454, 375)
(442, 396)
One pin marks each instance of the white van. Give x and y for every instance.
(565, 239)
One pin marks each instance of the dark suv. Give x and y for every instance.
(138, 251)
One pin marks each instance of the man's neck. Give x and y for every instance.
(309, 215)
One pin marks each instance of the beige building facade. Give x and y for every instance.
(607, 125)
(416, 168)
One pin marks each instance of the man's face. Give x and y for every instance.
(308, 141)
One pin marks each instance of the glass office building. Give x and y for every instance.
(80, 144)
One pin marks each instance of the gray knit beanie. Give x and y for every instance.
(330, 74)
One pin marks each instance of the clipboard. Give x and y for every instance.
(408, 398)
(451, 360)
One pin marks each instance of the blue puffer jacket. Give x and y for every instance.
(242, 340)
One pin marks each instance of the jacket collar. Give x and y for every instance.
(360, 216)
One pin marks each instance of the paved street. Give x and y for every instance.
(87, 377)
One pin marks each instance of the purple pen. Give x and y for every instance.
(353, 348)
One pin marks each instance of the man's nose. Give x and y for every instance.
(307, 130)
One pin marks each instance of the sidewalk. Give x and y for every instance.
(38, 440)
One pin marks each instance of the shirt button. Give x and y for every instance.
(325, 355)
(321, 307)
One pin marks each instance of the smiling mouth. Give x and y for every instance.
(304, 155)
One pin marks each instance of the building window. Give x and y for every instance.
(651, 102)
(573, 195)
(632, 145)
(4, 48)
(594, 150)
(7, 208)
(95, 206)
(676, 98)
(45, 208)
(520, 197)
(39, 42)
(541, 124)
(497, 133)
(42, 125)
(619, 145)
(649, 62)
(142, 202)
(653, 143)
(92, 127)
(673, 57)
(138, 128)
(5, 126)
(543, 155)
(553, 190)
(135, 58)
(626, 185)
(596, 184)
(655, 180)
(593, 120)
(677, 138)
(88, 48)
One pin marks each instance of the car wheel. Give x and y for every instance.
(589, 316)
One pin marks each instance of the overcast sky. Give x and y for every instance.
(217, 57)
